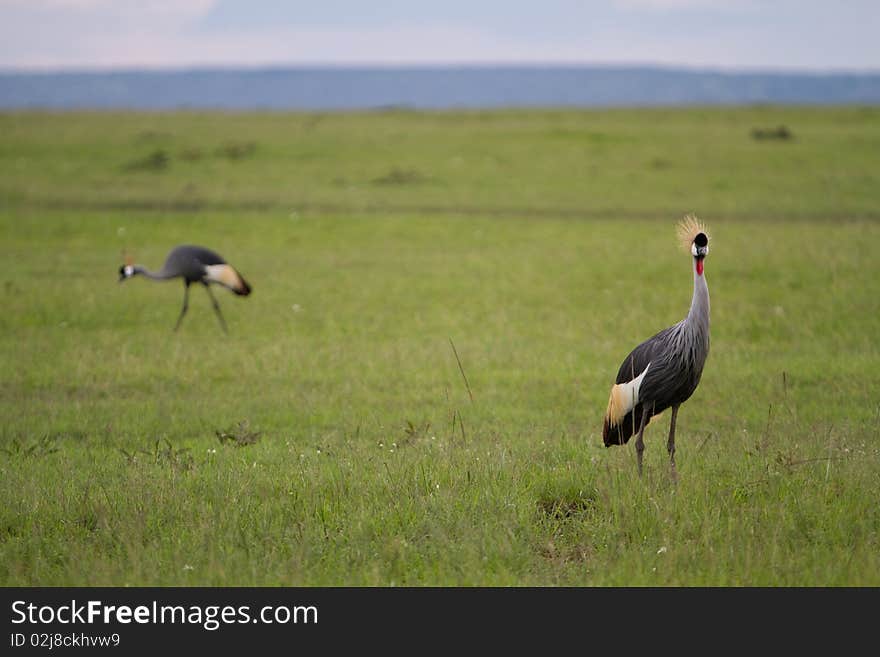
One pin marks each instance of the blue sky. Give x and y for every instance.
(743, 34)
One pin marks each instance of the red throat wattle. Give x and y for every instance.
(699, 266)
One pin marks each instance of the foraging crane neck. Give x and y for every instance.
(143, 271)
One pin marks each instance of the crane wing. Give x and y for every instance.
(228, 277)
(624, 398)
(624, 409)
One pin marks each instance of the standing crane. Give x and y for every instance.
(664, 370)
(195, 264)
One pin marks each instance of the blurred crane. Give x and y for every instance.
(195, 264)
(663, 371)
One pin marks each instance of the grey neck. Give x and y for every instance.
(143, 271)
(698, 316)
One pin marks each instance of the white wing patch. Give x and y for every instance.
(223, 274)
(624, 397)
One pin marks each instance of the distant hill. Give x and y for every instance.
(435, 88)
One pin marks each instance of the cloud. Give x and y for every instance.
(196, 7)
(86, 33)
(674, 5)
(27, 13)
(71, 34)
(394, 44)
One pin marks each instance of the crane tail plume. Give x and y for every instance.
(244, 287)
(228, 277)
(621, 403)
(618, 433)
(623, 409)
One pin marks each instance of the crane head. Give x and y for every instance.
(127, 270)
(694, 236)
(700, 245)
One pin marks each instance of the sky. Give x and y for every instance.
(778, 35)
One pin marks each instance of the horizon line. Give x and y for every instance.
(430, 66)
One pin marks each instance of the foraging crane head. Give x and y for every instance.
(127, 270)
(695, 238)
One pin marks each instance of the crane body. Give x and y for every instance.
(664, 370)
(194, 264)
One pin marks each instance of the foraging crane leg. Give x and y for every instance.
(185, 304)
(640, 442)
(670, 444)
(217, 309)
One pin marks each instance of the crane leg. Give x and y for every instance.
(670, 444)
(185, 305)
(640, 442)
(217, 309)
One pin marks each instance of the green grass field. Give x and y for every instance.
(540, 243)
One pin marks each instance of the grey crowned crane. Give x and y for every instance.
(194, 264)
(664, 370)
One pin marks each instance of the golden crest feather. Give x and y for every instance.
(688, 229)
